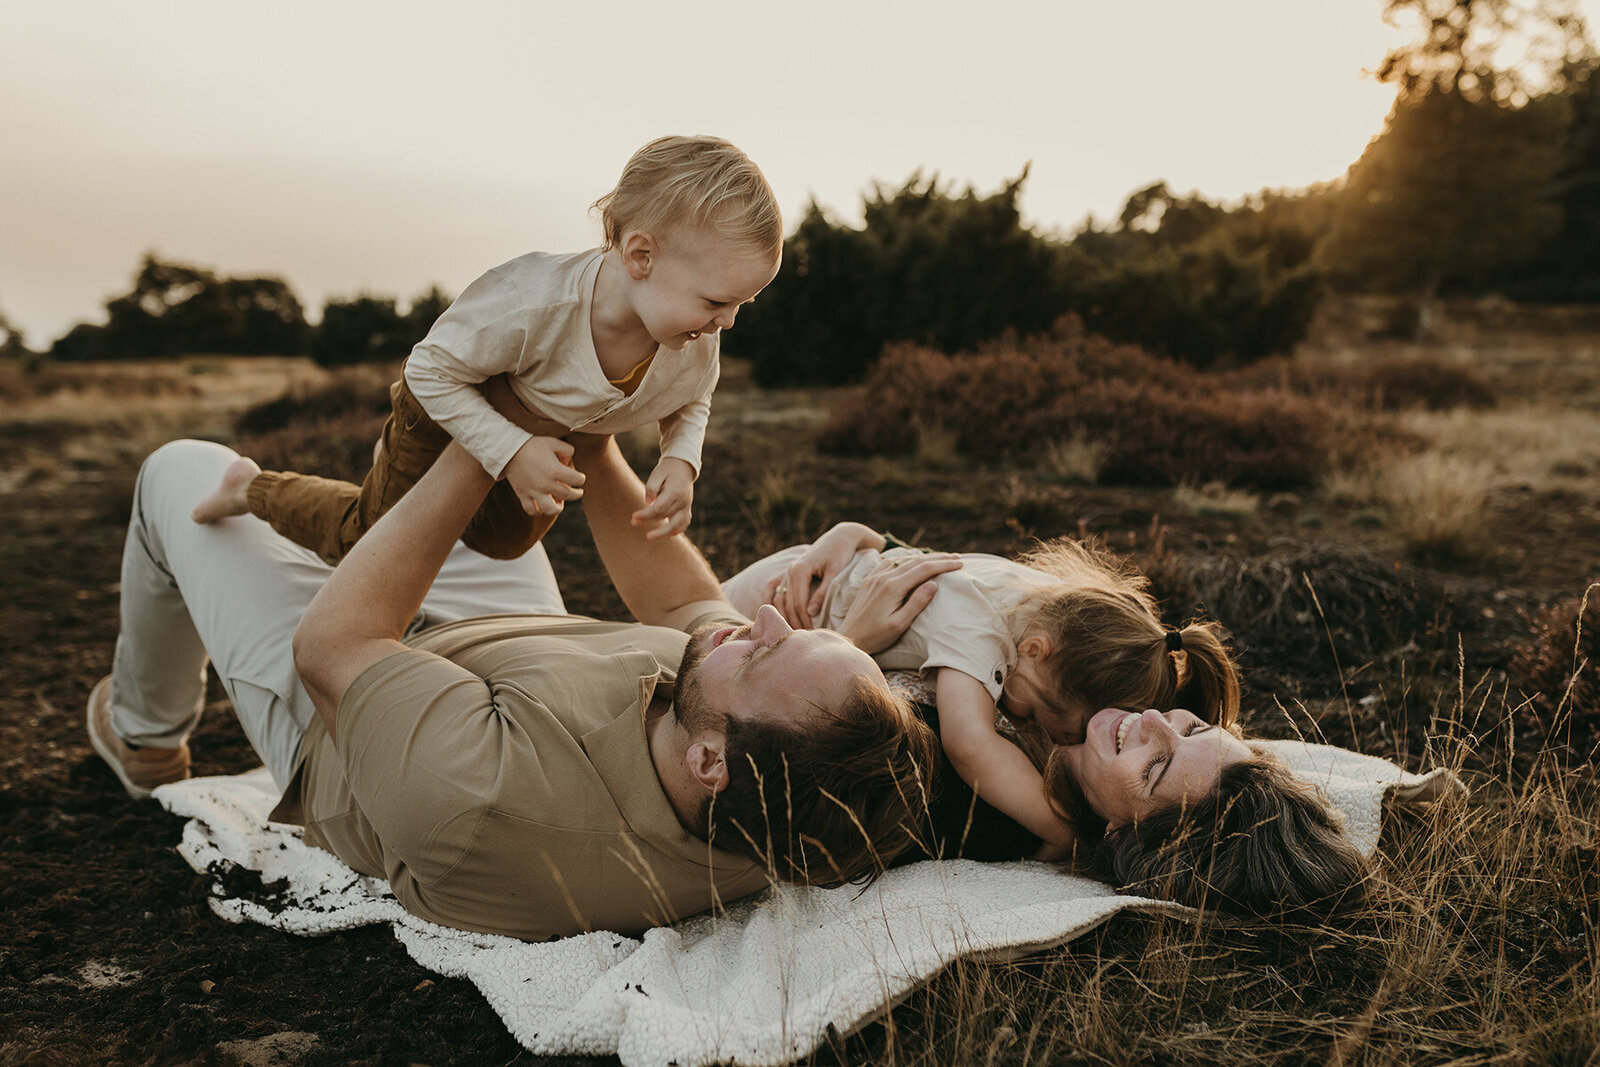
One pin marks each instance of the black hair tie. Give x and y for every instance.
(1174, 641)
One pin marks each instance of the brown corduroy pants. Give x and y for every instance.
(329, 516)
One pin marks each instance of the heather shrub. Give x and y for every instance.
(1310, 610)
(1268, 442)
(335, 446)
(1389, 385)
(1156, 423)
(1557, 666)
(1428, 383)
(14, 384)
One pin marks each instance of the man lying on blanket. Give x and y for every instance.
(531, 775)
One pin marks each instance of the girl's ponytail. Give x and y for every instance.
(1209, 682)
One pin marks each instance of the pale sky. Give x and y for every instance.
(357, 146)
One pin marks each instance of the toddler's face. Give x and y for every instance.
(697, 283)
(1029, 696)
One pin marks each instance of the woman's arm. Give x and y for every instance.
(798, 593)
(995, 768)
(889, 600)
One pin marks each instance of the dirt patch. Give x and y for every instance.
(110, 953)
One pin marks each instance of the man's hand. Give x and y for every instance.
(669, 492)
(542, 475)
(891, 597)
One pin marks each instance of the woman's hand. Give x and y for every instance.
(799, 592)
(891, 597)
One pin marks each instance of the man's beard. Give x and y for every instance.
(688, 702)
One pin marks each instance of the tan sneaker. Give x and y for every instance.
(140, 769)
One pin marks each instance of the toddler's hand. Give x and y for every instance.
(668, 492)
(542, 476)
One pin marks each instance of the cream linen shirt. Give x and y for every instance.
(965, 626)
(529, 318)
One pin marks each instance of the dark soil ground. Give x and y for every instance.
(109, 953)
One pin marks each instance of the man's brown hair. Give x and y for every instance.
(830, 802)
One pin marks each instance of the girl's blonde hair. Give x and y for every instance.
(700, 180)
(1108, 647)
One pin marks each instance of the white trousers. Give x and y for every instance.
(232, 592)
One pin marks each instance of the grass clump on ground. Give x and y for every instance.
(1479, 943)
(1558, 668)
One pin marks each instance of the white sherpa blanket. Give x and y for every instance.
(763, 983)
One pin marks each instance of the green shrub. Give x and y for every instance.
(177, 309)
(931, 267)
(338, 446)
(367, 328)
(1203, 303)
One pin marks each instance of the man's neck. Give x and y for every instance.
(668, 743)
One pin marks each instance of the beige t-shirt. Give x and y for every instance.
(499, 776)
(529, 318)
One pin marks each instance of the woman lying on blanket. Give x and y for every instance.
(1171, 803)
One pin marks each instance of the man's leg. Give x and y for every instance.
(232, 591)
(472, 584)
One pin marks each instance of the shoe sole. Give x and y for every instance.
(104, 750)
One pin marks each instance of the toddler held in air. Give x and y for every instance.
(546, 345)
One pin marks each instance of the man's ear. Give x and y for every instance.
(708, 764)
(639, 252)
(1034, 647)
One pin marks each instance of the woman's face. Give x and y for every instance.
(1135, 763)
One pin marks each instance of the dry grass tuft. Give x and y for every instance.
(778, 512)
(1215, 500)
(1075, 460)
(1480, 944)
(1438, 503)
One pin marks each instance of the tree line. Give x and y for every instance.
(179, 309)
(1485, 178)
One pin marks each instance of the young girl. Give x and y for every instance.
(1046, 642)
(545, 345)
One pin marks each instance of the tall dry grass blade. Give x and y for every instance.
(1333, 648)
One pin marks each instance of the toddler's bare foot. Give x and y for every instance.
(228, 498)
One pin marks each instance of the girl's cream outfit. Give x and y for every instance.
(964, 627)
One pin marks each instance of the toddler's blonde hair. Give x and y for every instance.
(701, 180)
